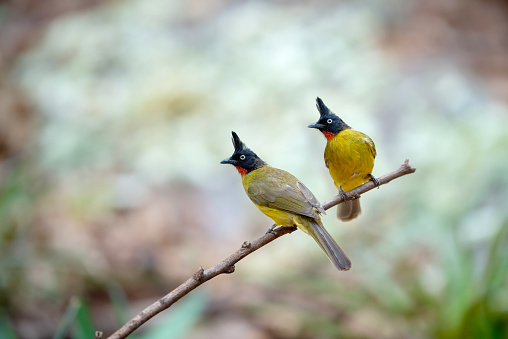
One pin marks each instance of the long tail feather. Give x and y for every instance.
(328, 245)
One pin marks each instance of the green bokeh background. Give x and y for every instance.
(116, 195)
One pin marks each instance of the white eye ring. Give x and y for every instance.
(242, 157)
(329, 121)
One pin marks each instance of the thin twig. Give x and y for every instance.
(228, 264)
(355, 193)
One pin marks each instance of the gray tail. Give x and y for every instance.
(349, 210)
(329, 246)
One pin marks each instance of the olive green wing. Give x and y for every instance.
(284, 192)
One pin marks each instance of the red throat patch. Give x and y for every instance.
(241, 170)
(328, 135)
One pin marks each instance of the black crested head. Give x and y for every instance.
(328, 121)
(243, 157)
(237, 143)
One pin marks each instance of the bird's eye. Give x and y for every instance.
(329, 121)
(242, 157)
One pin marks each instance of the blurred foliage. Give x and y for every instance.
(114, 116)
(68, 318)
(5, 326)
(178, 322)
(16, 213)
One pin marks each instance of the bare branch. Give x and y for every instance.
(228, 264)
(355, 193)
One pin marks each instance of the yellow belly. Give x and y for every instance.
(287, 219)
(349, 157)
(281, 218)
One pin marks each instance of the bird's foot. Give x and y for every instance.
(343, 195)
(272, 230)
(374, 180)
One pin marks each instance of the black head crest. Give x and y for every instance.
(243, 157)
(328, 121)
(239, 145)
(322, 108)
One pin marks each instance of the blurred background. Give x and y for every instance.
(114, 116)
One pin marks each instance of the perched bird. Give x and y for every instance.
(282, 197)
(349, 156)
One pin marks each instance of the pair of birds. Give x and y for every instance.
(349, 156)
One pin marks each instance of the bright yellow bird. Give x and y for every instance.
(282, 197)
(349, 156)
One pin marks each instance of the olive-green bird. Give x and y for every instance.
(349, 156)
(282, 197)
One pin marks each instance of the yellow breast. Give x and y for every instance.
(349, 157)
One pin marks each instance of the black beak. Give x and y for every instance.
(316, 125)
(227, 161)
